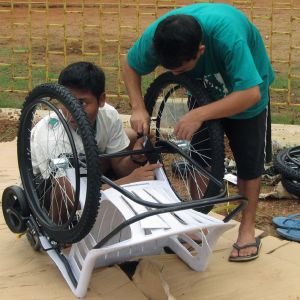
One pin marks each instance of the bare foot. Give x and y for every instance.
(246, 247)
(248, 257)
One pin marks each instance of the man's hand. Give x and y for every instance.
(140, 118)
(140, 121)
(188, 125)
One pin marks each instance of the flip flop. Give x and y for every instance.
(239, 258)
(290, 234)
(289, 222)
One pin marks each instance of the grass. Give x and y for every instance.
(280, 114)
(285, 115)
(146, 81)
(7, 100)
(280, 82)
(15, 99)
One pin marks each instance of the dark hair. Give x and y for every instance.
(176, 40)
(84, 76)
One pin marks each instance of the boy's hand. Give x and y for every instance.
(139, 158)
(145, 172)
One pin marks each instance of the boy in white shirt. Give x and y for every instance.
(86, 81)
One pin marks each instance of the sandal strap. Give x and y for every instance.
(237, 247)
(291, 217)
(294, 217)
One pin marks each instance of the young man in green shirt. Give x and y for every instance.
(217, 43)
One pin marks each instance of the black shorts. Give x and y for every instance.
(250, 142)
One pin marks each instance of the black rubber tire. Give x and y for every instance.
(285, 166)
(15, 208)
(33, 240)
(62, 96)
(216, 133)
(293, 154)
(292, 186)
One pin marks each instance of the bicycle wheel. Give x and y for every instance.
(293, 154)
(15, 208)
(283, 165)
(59, 163)
(292, 186)
(168, 98)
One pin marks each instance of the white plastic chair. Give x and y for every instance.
(147, 236)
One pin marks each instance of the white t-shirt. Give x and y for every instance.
(49, 139)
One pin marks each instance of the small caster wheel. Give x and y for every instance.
(33, 239)
(15, 209)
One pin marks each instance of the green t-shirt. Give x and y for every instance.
(235, 57)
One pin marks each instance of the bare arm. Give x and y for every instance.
(123, 166)
(140, 118)
(230, 105)
(139, 174)
(128, 168)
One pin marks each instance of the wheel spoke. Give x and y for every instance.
(49, 151)
(168, 99)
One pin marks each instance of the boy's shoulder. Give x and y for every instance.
(107, 106)
(108, 113)
(108, 110)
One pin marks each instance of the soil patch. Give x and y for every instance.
(8, 129)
